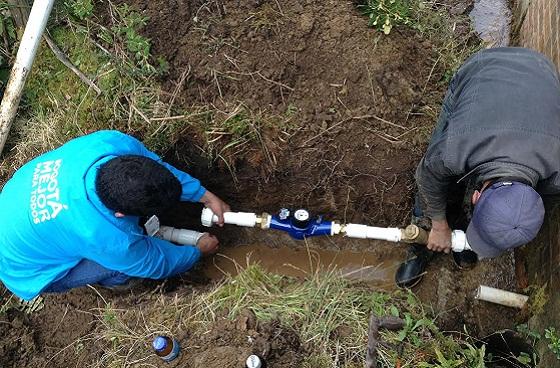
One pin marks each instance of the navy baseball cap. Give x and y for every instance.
(508, 214)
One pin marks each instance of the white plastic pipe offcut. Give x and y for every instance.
(502, 297)
(391, 234)
(247, 219)
(179, 236)
(22, 65)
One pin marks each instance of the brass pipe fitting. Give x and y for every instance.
(414, 234)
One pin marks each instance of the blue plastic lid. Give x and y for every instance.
(159, 343)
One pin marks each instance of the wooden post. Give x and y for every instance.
(19, 9)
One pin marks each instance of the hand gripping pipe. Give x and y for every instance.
(300, 225)
(179, 236)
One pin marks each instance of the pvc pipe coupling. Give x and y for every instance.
(179, 236)
(245, 219)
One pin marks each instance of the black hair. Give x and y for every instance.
(137, 185)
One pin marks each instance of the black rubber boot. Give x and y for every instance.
(466, 259)
(411, 271)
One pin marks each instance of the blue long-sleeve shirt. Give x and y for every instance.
(51, 218)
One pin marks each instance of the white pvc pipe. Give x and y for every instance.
(24, 60)
(501, 297)
(391, 234)
(247, 219)
(179, 236)
(459, 241)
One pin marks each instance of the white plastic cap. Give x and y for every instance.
(207, 217)
(253, 362)
(459, 241)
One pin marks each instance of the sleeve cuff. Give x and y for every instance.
(199, 193)
(436, 215)
(197, 254)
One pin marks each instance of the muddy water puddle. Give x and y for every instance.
(491, 20)
(372, 269)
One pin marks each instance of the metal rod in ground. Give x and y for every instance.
(24, 60)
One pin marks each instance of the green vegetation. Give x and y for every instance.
(551, 337)
(452, 35)
(385, 14)
(81, 9)
(553, 340)
(8, 37)
(134, 47)
(538, 298)
(58, 106)
(431, 20)
(318, 309)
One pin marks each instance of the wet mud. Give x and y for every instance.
(370, 268)
(491, 20)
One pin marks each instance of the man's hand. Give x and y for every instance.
(439, 239)
(208, 244)
(217, 206)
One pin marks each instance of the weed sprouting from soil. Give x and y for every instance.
(385, 14)
(553, 339)
(81, 9)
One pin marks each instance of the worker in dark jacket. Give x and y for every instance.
(499, 132)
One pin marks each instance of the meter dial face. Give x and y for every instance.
(301, 215)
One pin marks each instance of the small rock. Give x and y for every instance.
(306, 23)
(458, 9)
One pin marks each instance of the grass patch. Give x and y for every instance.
(58, 106)
(433, 21)
(317, 308)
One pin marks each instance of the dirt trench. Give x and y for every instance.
(360, 107)
(357, 102)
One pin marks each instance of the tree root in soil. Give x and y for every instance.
(376, 323)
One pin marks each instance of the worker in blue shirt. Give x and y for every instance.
(71, 217)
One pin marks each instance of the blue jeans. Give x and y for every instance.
(84, 273)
